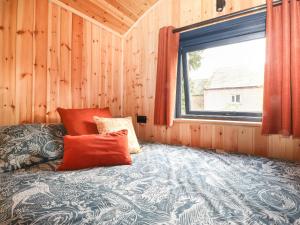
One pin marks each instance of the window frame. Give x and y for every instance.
(234, 31)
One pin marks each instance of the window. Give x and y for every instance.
(236, 98)
(221, 70)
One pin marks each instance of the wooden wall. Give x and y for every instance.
(140, 59)
(50, 57)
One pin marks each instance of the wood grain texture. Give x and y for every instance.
(96, 66)
(24, 61)
(86, 64)
(40, 59)
(65, 59)
(119, 15)
(140, 60)
(77, 61)
(53, 63)
(8, 10)
(47, 60)
(51, 58)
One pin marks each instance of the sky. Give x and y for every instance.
(251, 54)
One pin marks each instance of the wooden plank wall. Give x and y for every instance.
(140, 59)
(50, 57)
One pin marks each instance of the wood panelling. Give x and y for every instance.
(8, 27)
(40, 60)
(47, 59)
(53, 63)
(24, 61)
(65, 81)
(119, 15)
(77, 61)
(140, 59)
(50, 57)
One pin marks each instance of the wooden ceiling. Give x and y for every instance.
(118, 15)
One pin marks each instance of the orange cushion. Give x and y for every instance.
(94, 150)
(80, 121)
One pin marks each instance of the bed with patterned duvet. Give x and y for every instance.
(167, 185)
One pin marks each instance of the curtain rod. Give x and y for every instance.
(224, 17)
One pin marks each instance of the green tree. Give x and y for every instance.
(194, 60)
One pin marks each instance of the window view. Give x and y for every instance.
(227, 78)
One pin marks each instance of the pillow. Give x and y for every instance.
(29, 144)
(80, 121)
(94, 150)
(107, 125)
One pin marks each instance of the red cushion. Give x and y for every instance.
(94, 150)
(80, 121)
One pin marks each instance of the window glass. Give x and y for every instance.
(220, 77)
(221, 70)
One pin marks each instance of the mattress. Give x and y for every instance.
(165, 185)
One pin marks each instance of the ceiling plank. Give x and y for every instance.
(118, 15)
(114, 11)
(98, 14)
(123, 8)
(137, 7)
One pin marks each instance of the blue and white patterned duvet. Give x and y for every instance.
(165, 185)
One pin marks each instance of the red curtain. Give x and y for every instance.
(165, 95)
(281, 110)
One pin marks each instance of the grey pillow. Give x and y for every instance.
(29, 144)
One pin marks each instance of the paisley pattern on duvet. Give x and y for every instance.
(29, 144)
(165, 185)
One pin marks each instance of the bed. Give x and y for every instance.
(165, 185)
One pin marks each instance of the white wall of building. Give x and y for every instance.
(251, 100)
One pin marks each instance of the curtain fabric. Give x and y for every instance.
(165, 96)
(281, 110)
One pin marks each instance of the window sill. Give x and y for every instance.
(218, 122)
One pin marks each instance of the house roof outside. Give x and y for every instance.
(235, 77)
